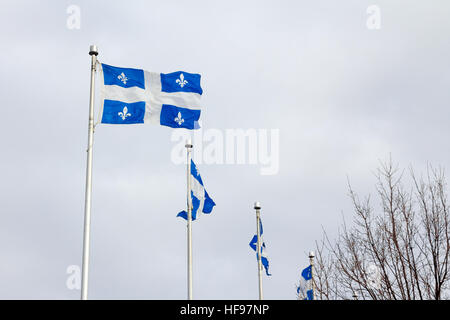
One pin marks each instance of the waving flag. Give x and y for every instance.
(304, 289)
(254, 243)
(131, 96)
(201, 202)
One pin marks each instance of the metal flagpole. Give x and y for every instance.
(189, 219)
(93, 52)
(258, 252)
(311, 262)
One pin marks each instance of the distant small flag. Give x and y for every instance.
(254, 243)
(305, 289)
(131, 96)
(201, 201)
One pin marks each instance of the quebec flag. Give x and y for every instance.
(132, 96)
(201, 202)
(254, 243)
(304, 290)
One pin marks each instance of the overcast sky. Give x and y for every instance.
(343, 97)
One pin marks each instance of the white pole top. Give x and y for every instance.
(311, 254)
(188, 143)
(93, 50)
(257, 205)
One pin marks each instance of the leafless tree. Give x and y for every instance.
(399, 251)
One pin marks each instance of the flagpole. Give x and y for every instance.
(258, 252)
(311, 262)
(93, 52)
(189, 218)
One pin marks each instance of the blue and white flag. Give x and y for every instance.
(201, 202)
(305, 288)
(254, 243)
(130, 96)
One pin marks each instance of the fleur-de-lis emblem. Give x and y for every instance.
(181, 81)
(122, 77)
(124, 114)
(179, 119)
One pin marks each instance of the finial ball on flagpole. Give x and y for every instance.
(188, 143)
(257, 205)
(93, 50)
(311, 254)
